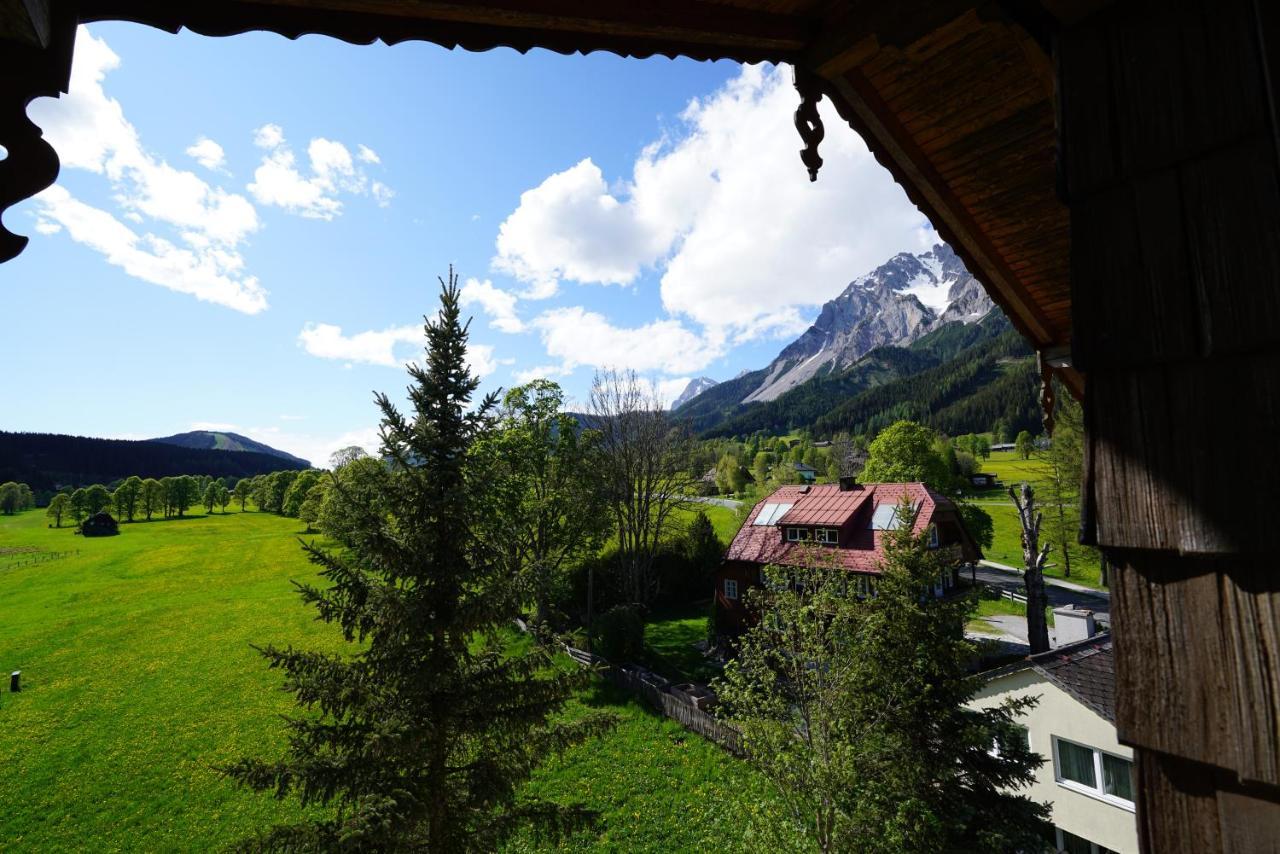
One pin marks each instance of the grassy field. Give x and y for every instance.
(1006, 547)
(139, 678)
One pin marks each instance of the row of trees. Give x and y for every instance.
(135, 498)
(15, 497)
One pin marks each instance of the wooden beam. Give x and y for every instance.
(858, 102)
(693, 28)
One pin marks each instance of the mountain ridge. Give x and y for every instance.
(223, 440)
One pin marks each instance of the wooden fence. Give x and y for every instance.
(16, 559)
(656, 691)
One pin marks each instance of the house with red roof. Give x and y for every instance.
(848, 518)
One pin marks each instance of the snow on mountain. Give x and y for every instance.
(696, 386)
(901, 300)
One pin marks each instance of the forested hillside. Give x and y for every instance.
(960, 378)
(48, 460)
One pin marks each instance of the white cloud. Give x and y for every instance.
(370, 348)
(367, 154)
(207, 153)
(380, 347)
(89, 130)
(279, 180)
(209, 273)
(268, 136)
(577, 337)
(500, 305)
(725, 211)
(539, 372)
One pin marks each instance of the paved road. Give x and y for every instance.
(1098, 601)
(720, 502)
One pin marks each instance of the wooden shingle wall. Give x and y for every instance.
(1169, 167)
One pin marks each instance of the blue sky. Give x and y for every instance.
(247, 231)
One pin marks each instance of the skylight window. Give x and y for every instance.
(886, 517)
(771, 513)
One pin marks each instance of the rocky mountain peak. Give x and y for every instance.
(896, 303)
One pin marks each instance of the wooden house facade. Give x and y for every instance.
(1110, 171)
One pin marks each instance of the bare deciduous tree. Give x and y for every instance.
(645, 459)
(1034, 556)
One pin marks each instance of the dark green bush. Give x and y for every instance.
(619, 633)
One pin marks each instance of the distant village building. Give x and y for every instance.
(1004, 446)
(99, 525)
(850, 519)
(1087, 777)
(806, 473)
(984, 479)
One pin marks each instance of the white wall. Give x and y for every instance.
(1060, 714)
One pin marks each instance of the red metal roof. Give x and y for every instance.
(861, 549)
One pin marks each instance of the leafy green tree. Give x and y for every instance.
(421, 737)
(210, 497)
(904, 453)
(547, 486)
(79, 505)
(356, 490)
(730, 476)
(312, 505)
(96, 498)
(224, 496)
(855, 709)
(243, 489)
(297, 492)
(151, 497)
(940, 788)
(26, 498)
(277, 487)
(179, 494)
(786, 692)
(1060, 490)
(126, 498)
(1023, 445)
(10, 498)
(59, 506)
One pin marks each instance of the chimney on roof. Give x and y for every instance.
(848, 483)
(1072, 624)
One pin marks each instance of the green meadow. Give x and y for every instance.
(1007, 541)
(139, 679)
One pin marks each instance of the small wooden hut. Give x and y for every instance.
(100, 525)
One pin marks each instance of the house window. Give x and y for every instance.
(730, 588)
(797, 535)
(1069, 843)
(1093, 772)
(933, 537)
(827, 535)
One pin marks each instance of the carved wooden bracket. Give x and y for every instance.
(1048, 398)
(33, 65)
(808, 122)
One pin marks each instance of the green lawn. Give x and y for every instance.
(139, 679)
(669, 638)
(990, 605)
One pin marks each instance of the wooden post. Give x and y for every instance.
(15, 681)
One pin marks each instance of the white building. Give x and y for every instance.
(1087, 776)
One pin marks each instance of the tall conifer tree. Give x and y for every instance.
(421, 739)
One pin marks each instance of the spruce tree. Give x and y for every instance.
(421, 737)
